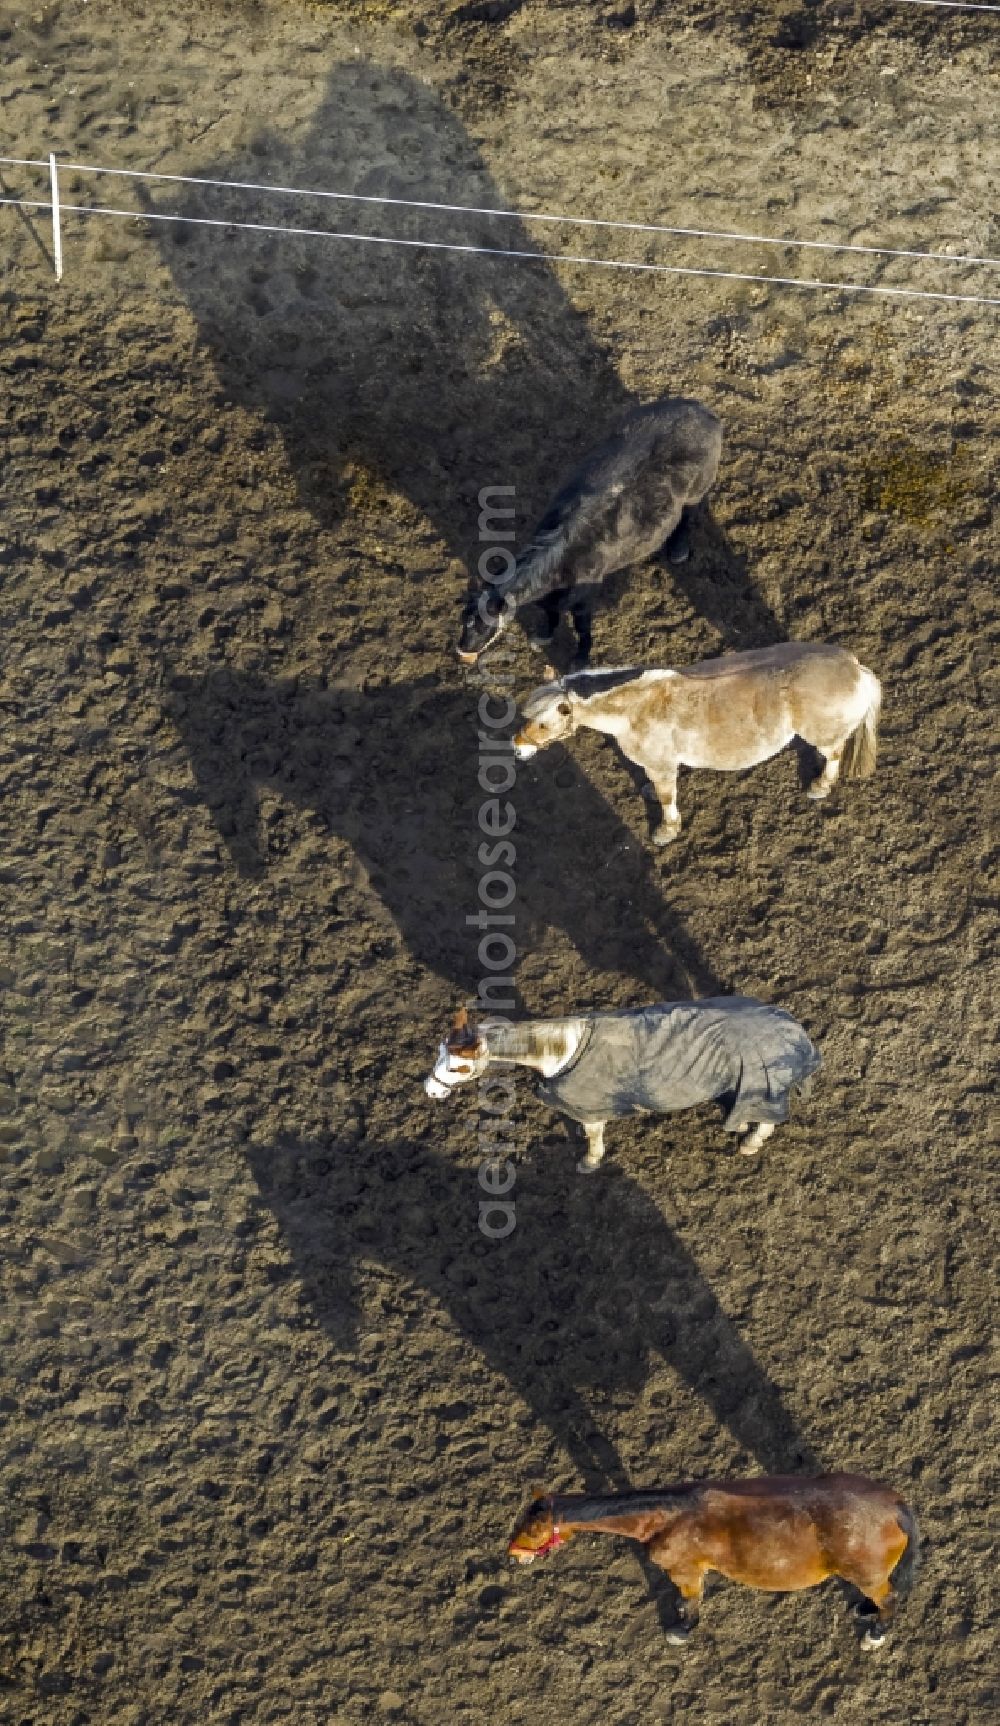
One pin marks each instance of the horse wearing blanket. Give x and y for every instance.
(726, 713)
(647, 1060)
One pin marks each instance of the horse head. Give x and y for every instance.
(485, 612)
(536, 1531)
(461, 1058)
(547, 717)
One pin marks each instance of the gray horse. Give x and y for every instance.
(726, 713)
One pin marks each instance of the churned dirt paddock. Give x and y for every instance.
(269, 1401)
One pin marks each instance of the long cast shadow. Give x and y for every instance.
(393, 770)
(586, 1302)
(438, 373)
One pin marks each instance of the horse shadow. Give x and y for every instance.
(555, 1311)
(717, 585)
(437, 373)
(393, 770)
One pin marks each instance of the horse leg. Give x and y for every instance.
(677, 545)
(580, 613)
(825, 781)
(689, 1581)
(595, 1147)
(691, 1591)
(882, 1596)
(662, 785)
(749, 1146)
(551, 607)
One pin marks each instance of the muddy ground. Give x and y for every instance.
(269, 1399)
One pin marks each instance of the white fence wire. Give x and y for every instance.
(951, 5)
(57, 207)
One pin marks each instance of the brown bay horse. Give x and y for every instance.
(776, 1532)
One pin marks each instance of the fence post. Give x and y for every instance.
(56, 225)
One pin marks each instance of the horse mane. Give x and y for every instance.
(586, 684)
(583, 1508)
(534, 1035)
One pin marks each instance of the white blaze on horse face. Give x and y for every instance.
(449, 1070)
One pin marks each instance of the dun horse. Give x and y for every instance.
(626, 501)
(726, 713)
(782, 1532)
(651, 1060)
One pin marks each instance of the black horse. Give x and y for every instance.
(631, 498)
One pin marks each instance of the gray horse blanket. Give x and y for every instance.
(681, 1053)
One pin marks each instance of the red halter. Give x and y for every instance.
(555, 1539)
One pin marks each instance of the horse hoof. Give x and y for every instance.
(585, 1167)
(665, 835)
(817, 791)
(874, 1639)
(747, 1149)
(678, 1635)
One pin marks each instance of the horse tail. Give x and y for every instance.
(857, 759)
(905, 1567)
